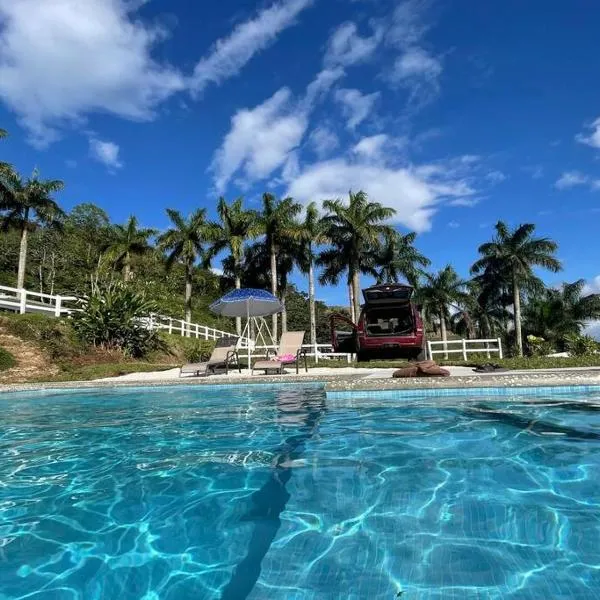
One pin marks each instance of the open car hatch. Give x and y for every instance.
(388, 293)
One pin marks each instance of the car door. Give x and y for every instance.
(344, 334)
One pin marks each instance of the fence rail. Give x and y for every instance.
(320, 352)
(25, 301)
(485, 346)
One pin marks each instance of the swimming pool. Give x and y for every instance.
(267, 493)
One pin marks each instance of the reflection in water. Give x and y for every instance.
(303, 412)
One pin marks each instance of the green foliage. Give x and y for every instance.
(54, 336)
(581, 345)
(7, 360)
(538, 346)
(113, 319)
(189, 350)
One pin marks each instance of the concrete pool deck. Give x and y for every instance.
(344, 379)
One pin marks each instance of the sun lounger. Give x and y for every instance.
(224, 356)
(289, 353)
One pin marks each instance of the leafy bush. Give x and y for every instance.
(538, 346)
(581, 345)
(7, 360)
(188, 349)
(114, 318)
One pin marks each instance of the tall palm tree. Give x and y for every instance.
(186, 242)
(439, 292)
(277, 224)
(236, 228)
(127, 241)
(559, 313)
(310, 233)
(515, 253)
(355, 231)
(27, 204)
(398, 258)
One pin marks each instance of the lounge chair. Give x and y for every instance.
(289, 352)
(223, 356)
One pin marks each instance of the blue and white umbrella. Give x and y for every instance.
(247, 303)
(254, 305)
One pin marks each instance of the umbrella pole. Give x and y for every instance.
(249, 329)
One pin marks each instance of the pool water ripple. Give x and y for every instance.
(266, 493)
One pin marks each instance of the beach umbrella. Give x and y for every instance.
(251, 303)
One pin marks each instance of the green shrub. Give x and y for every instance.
(538, 346)
(188, 349)
(114, 318)
(7, 360)
(580, 345)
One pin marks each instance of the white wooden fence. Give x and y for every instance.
(24, 301)
(466, 347)
(320, 352)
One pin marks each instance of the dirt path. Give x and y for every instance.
(31, 362)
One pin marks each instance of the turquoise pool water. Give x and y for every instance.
(268, 493)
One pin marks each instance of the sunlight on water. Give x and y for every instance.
(260, 493)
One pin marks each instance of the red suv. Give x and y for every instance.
(389, 326)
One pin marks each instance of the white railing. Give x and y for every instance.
(466, 347)
(24, 301)
(318, 352)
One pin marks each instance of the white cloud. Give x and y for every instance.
(592, 138)
(263, 139)
(593, 329)
(495, 177)
(413, 192)
(464, 202)
(260, 140)
(356, 106)
(230, 54)
(535, 171)
(63, 59)
(346, 47)
(571, 179)
(372, 147)
(105, 152)
(592, 287)
(415, 68)
(453, 224)
(323, 141)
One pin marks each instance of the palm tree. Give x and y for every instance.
(355, 231)
(27, 204)
(236, 228)
(185, 243)
(277, 224)
(398, 258)
(128, 240)
(310, 233)
(559, 313)
(513, 253)
(3, 165)
(439, 292)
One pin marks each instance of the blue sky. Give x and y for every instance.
(457, 114)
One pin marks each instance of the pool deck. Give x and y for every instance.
(348, 380)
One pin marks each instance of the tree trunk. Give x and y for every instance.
(23, 252)
(189, 274)
(126, 268)
(517, 311)
(274, 285)
(356, 294)
(238, 320)
(351, 298)
(443, 329)
(311, 306)
(283, 312)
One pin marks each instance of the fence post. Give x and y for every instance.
(464, 349)
(23, 305)
(500, 349)
(58, 306)
(170, 324)
(429, 350)
(182, 328)
(316, 350)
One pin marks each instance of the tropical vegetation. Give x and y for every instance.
(128, 267)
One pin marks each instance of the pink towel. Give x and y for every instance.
(286, 358)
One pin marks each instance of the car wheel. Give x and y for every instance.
(362, 357)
